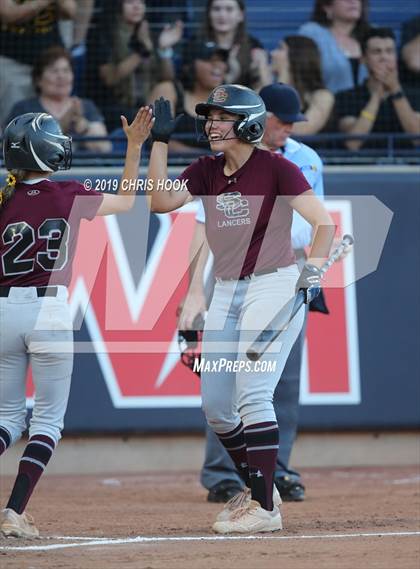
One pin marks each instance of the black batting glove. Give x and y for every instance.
(165, 124)
(309, 282)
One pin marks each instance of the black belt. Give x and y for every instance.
(258, 273)
(247, 277)
(40, 290)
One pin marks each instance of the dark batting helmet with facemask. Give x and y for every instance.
(35, 141)
(241, 101)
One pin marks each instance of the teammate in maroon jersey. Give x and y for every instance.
(39, 224)
(249, 195)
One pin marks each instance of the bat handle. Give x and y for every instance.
(345, 243)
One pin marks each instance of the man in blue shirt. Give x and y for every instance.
(218, 474)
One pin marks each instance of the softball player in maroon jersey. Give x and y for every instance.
(39, 224)
(249, 195)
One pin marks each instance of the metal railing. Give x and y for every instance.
(392, 149)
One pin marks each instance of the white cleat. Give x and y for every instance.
(251, 519)
(242, 500)
(17, 525)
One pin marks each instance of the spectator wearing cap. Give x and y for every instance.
(204, 69)
(296, 61)
(381, 104)
(225, 24)
(218, 474)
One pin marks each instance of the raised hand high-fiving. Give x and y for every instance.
(139, 130)
(165, 123)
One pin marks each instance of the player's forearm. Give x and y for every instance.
(198, 255)
(128, 183)
(323, 238)
(11, 12)
(161, 199)
(314, 212)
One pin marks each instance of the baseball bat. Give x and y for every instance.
(282, 319)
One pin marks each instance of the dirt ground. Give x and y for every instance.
(339, 503)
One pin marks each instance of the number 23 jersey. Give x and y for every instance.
(39, 227)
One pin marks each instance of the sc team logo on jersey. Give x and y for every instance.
(235, 207)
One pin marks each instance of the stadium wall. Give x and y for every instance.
(362, 362)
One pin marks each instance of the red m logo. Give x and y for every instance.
(132, 325)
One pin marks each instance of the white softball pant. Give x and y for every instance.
(239, 310)
(37, 331)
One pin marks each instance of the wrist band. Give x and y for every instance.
(166, 53)
(367, 115)
(398, 95)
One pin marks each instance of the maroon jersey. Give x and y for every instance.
(248, 217)
(38, 231)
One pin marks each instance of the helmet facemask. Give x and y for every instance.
(202, 132)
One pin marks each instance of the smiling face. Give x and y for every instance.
(219, 130)
(276, 132)
(225, 15)
(210, 73)
(56, 80)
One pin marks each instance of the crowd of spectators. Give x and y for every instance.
(352, 77)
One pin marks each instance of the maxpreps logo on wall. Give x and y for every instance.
(131, 318)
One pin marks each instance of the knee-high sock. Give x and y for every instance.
(35, 458)
(234, 443)
(262, 443)
(5, 440)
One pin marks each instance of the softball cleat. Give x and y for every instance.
(242, 500)
(18, 525)
(251, 519)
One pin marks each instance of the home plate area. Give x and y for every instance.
(352, 518)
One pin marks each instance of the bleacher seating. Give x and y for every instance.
(269, 20)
